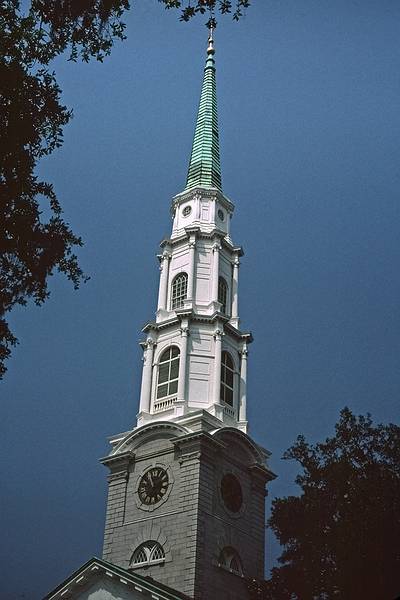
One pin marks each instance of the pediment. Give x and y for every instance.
(155, 430)
(241, 442)
(100, 580)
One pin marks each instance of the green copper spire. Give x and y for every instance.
(204, 167)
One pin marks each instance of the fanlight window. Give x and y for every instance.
(227, 373)
(168, 373)
(179, 291)
(222, 294)
(229, 559)
(150, 552)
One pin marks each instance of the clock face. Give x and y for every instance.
(231, 492)
(153, 485)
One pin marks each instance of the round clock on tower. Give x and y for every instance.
(153, 485)
(187, 484)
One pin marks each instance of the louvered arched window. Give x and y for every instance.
(179, 291)
(230, 560)
(223, 294)
(227, 375)
(168, 372)
(148, 553)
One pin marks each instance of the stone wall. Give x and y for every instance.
(192, 522)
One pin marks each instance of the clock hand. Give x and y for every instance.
(151, 479)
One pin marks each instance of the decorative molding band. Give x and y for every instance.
(118, 463)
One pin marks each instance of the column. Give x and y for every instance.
(191, 273)
(163, 289)
(243, 380)
(217, 364)
(145, 394)
(183, 363)
(215, 272)
(235, 297)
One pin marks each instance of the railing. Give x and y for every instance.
(229, 411)
(163, 404)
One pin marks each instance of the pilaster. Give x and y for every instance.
(218, 409)
(165, 259)
(145, 394)
(243, 387)
(235, 295)
(181, 396)
(191, 292)
(215, 273)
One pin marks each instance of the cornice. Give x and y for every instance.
(262, 473)
(118, 461)
(210, 193)
(165, 243)
(199, 318)
(208, 420)
(238, 250)
(153, 326)
(192, 229)
(246, 336)
(184, 236)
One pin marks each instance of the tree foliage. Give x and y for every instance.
(190, 9)
(35, 241)
(341, 535)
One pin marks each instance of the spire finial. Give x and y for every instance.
(210, 49)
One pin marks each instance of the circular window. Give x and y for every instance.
(186, 211)
(231, 492)
(221, 215)
(153, 485)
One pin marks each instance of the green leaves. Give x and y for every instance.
(340, 536)
(86, 29)
(190, 9)
(32, 119)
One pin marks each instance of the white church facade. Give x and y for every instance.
(186, 501)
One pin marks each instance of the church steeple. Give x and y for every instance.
(195, 355)
(187, 484)
(204, 166)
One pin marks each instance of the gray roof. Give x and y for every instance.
(96, 568)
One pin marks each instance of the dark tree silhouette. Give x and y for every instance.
(32, 118)
(341, 536)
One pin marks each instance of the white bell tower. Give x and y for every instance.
(195, 355)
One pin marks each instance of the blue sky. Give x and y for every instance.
(308, 96)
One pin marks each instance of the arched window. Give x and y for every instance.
(179, 290)
(168, 372)
(227, 373)
(222, 294)
(148, 553)
(229, 559)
